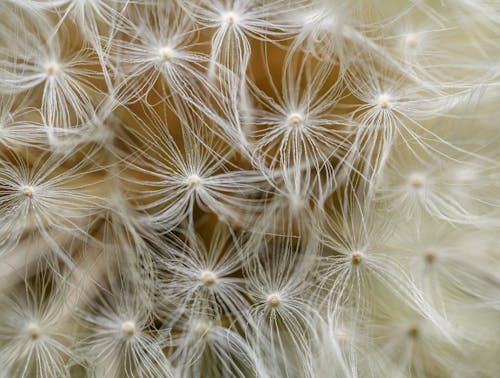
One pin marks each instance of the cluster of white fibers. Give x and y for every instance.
(249, 188)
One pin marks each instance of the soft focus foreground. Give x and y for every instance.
(249, 188)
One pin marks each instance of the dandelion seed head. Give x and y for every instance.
(128, 328)
(208, 278)
(273, 300)
(281, 166)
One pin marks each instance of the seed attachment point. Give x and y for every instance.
(273, 300)
(128, 328)
(417, 181)
(356, 258)
(27, 190)
(194, 181)
(166, 53)
(34, 331)
(231, 18)
(52, 68)
(208, 278)
(411, 40)
(202, 327)
(295, 120)
(413, 331)
(384, 101)
(430, 257)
